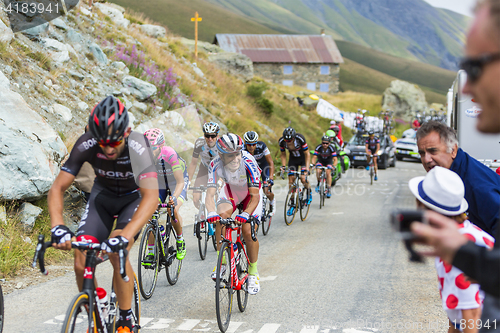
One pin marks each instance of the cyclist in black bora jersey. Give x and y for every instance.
(299, 157)
(126, 186)
(372, 146)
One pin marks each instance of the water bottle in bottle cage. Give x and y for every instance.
(103, 301)
(162, 232)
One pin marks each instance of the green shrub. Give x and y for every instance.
(255, 90)
(266, 105)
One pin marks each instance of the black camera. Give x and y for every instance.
(402, 219)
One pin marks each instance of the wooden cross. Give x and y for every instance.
(196, 19)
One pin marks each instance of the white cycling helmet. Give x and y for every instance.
(229, 143)
(333, 122)
(250, 137)
(211, 127)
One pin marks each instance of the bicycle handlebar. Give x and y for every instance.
(42, 246)
(230, 221)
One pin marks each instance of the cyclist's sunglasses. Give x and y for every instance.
(210, 136)
(325, 143)
(474, 67)
(113, 144)
(251, 144)
(288, 140)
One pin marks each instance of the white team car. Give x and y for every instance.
(406, 147)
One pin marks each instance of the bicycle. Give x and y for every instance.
(236, 277)
(202, 229)
(296, 195)
(103, 318)
(372, 171)
(322, 186)
(164, 253)
(265, 219)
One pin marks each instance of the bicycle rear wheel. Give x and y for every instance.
(304, 206)
(291, 201)
(76, 319)
(173, 264)
(266, 219)
(148, 267)
(223, 287)
(242, 270)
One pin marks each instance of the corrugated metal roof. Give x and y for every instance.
(282, 48)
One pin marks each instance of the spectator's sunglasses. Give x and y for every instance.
(113, 144)
(474, 67)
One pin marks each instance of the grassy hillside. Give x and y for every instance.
(360, 78)
(431, 77)
(176, 15)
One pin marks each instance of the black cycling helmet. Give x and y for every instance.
(336, 129)
(325, 138)
(371, 133)
(250, 137)
(109, 113)
(289, 133)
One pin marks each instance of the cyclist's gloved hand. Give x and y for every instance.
(242, 218)
(173, 201)
(112, 244)
(213, 217)
(270, 182)
(61, 234)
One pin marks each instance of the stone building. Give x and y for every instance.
(309, 61)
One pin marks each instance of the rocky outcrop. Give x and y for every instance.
(141, 90)
(403, 98)
(114, 13)
(154, 31)
(28, 214)
(234, 63)
(30, 150)
(6, 33)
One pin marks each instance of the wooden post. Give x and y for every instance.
(196, 19)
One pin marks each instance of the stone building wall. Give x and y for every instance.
(302, 75)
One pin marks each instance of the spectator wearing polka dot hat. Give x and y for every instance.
(442, 191)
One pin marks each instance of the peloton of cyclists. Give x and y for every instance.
(126, 186)
(172, 173)
(299, 158)
(325, 155)
(372, 146)
(263, 157)
(241, 175)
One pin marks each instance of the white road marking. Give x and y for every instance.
(269, 328)
(160, 324)
(337, 213)
(309, 329)
(188, 324)
(145, 321)
(233, 326)
(352, 330)
(268, 278)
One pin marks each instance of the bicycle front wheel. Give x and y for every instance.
(223, 287)
(77, 319)
(304, 207)
(321, 193)
(266, 219)
(135, 306)
(149, 263)
(203, 240)
(242, 270)
(173, 264)
(291, 205)
(371, 175)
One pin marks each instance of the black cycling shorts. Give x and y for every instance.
(102, 207)
(296, 163)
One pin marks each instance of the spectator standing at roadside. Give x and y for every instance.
(483, 70)
(438, 146)
(442, 191)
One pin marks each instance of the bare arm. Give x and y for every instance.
(147, 206)
(270, 161)
(209, 200)
(254, 199)
(334, 161)
(192, 168)
(283, 158)
(55, 200)
(367, 150)
(308, 159)
(314, 159)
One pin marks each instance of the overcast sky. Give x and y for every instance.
(460, 6)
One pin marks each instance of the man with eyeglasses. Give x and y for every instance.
(263, 157)
(296, 144)
(204, 149)
(326, 156)
(125, 187)
(242, 187)
(482, 66)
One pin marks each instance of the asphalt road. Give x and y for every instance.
(340, 270)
